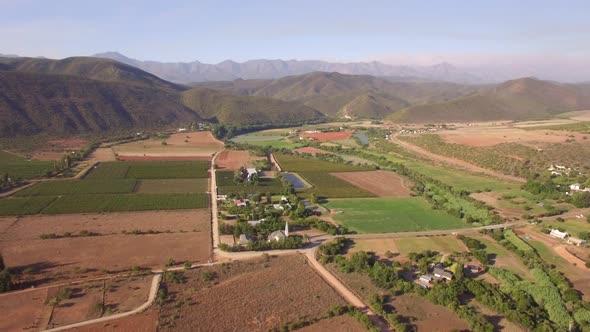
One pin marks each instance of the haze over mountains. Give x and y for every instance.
(88, 95)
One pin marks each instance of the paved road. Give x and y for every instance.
(453, 161)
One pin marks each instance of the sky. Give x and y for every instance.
(400, 32)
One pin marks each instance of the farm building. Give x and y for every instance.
(255, 222)
(425, 278)
(241, 202)
(278, 207)
(473, 268)
(244, 239)
(251, 172)
(442, 273)
(576, 241)
(575, 186)
(559, 235)
(221, 197)
(279, 235)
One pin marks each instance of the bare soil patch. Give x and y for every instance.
(256, 295)
(182, 236)
(144, 322)
(179, 145)
(70, 144)
(377, 246)
(233, 160)
(47, 155)
(341, 323)
(380, 183)
(102, 154)
(85, 304)
(122, 295)
(199, 139)
(425, 315)
(312, 151)
(27, 310)
(329, 136)
(161, 158)
(482, 136)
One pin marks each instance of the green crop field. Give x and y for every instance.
(582, 127)
(329, 186)
(151, 170)
(109, 170)
(298, 164)
(441, 244)
(127, 202)
(19, 167)
(79, 187)
(157, 186)
(23, 206)
(226, 185)
(383, 215)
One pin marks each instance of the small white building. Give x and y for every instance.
(251, 172)
(181, 130)
(576, 241)
(559, 235)
(575, 187)
(278, 207)
(425, 278)
(279, 235)
(221, 197)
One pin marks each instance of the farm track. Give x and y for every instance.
(452, 161)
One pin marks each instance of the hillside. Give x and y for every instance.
(520, 99)
(240, 110)
(87, 67)
(62, 105)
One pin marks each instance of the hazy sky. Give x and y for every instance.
(212, 31)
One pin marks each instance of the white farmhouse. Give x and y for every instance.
(575, 186)
(251, 172)
(559, 235)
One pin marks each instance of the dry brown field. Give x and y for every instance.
(233, 160)
(33, 309)
(102, 154)
(380, 183)
(426, 316)
(329, 136)
(180, 145)
(488, 136)
(341, 324)
(182, 236)
(256, 295)
(144, 322)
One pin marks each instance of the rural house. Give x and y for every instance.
(441, 273)
(575, 187)
(425, 278)
(559, 235)
(251, 172)
(240, 202)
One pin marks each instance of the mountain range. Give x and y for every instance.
(89, 95)
(189, 72)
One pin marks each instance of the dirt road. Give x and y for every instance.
(213, 193)
(456, 162)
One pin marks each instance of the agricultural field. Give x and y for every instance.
(312, 151)
(233, 159)
(268, 138)
(24, 205)
(226, 185)
(20, 167)
(380, 183)
(326, 185)
(159, 186)
(84, 187)
(426, 316)
(127, 202)
(150, 170)
(385, 215)
(299, 164)
(189, 145)
(287, 290)
(52, 245)
(580, 127)
(328, 136)
(340, 323)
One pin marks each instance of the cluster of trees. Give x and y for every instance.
(5, 277)
(476, 248)
(227, 131)
(377, 303)
(321, 225)
(260, 244)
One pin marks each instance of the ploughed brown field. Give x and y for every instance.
(162, 158)
(426, 316)
(179, 146)
(233, 160)
(329, 136)
(180, 235)
(312, 151)
(488, 136)
(143, 322)
(380, 183)
(89, 300)
(256, 295)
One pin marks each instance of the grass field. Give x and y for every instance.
(151, 170)
(384, 215)
(298, 164)
(23, 206)
(80, 187)
(159, 186)
(441, 244)
(127, 202)
(582, 127)
(19, 167)
(226, 185)
(574, 227)
(328, 186)
(263, 138)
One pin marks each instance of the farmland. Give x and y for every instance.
(74, 187)
(384, 215)
(20, 167)
(151, 170)
(287, 290)
(328, 136)
(144, 239)
(191, 145)
(226, 185)
(267, 138)
(233, 159)
(326, 185)
(28, 205)
(299, 164)
(163, 186)
(380, 183)
(441, 244)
